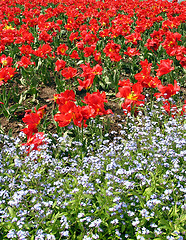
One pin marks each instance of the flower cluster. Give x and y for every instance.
(132, 95)
(32, 119)
(6, 70)
(69, 111)
(132, 92)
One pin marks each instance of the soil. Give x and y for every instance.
(14, 124)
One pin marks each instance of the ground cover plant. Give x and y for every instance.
(92, 119)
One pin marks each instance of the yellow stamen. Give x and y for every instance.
(132, 96)
(8, 27)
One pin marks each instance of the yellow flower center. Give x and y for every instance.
(4, 62)
(62, 50)
(8, 27)
(132, 96)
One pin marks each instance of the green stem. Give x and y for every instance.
(151, 97)
(82, 147)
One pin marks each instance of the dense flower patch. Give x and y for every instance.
(81, 179)
(129, 188)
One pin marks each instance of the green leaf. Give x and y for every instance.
(165, 224)
(33, 236)
(80, 62)
(22, 98)
(107, 80)
(11, 211)
(102, 85)
(54, 204)
(6, 113)
(182, 218)
(173, 211)
(13, 108)
(148, 192)
(123, 228)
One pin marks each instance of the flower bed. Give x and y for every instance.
(92, 110)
